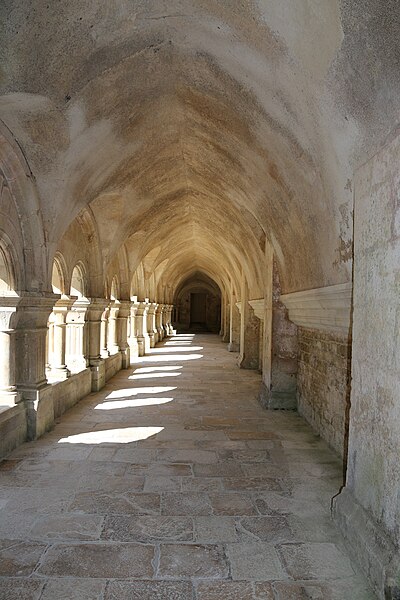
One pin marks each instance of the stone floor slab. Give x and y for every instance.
(73, 589)
(226, 590)
(98, 561)
(255, 561)
(315, 561)
(193, 561)
(116, 503)
(19, 558)
(149, 590)
(20, 589)
(148, 529)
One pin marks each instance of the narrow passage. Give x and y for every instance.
(173, 483)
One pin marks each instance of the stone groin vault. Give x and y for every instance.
(230, 167)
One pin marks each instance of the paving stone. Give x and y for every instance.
(251, 483)
(201, 484)
(255, 561)
(295, 591)
(263, 591)
(167, 470)
(20, 589)
(315, 561)
(224, 590)
(135, 456)
(222, 469)
(66, 526)
(149, 590)
(214, 530)
(185, 503)
(96, 560)
(73, 589)
(147, 529)
(194, 561)
(19, 558)
(271, 529)
(128, 503)
(268, 469)
(232, 504)
(164, 484)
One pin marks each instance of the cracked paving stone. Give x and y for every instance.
(147, 529)
(185, 503)
(116, 503)
(67, 526)
(193, 561)
(271, 529)
(98, 560)
(18, 558)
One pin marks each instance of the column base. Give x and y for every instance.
(233, 347)
(160, 334)
(126, 358)
(248, 363)
(39, 409)
(369, 545)
(59, 373)
(98, 370)
(225, 338)
(152, 339)
(274, 400)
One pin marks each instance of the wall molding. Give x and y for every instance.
(327, 308)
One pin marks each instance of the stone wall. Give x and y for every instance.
(13, 428)
(373, 475)
(323, 387)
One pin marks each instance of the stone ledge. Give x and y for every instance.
(369, 545)
(326, 309)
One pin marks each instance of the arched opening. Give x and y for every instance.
(6, 274)
(78, 282)
(198, 305)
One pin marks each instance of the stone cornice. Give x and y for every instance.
(258, 308)
(326, 308)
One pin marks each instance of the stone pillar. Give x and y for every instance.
(122, 332)
(169, 319)
(112, 334)
(8, 388)
(30, 349)
(249, 332)
(234, 326)
(104, 352)
(159, 324)
(96, 362)
(58, 365)
(142, 335)
(151, 324)
(77, 358)
(133, 329)
(226, 317)
(164, 320)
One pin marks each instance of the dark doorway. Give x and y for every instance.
(198, 310)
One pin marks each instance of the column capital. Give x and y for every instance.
(124, 308)
(96, 308)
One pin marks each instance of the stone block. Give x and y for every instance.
(181, 561)
(149, 590)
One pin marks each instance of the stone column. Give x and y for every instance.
(112, 335)
(133, 329)
(164, 320)
(96, 362)
(142, 335)
(249, 332)
(58, 365)
(159, 324)
(151, 324)
(169, 319)
(77, 336)
(30, 349)
(8, 388)
(234, 325)
(122, 332)
(104, 352)
(226, 316)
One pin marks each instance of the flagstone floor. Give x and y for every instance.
(172, 483)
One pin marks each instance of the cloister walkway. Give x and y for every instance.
(173, 483)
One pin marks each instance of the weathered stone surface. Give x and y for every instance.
(315, 561)
(73, 589)
(149, 590)
(19, 558)
(98, 560)
(117, 503)
(255, 561)
(194, 561)
(228, 590)
(232, 504)
(20, 589)
(185, 503)
(265, 529)
(64, 526)
(214, 530)
(147, 529)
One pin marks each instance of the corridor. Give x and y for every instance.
(172, 483)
